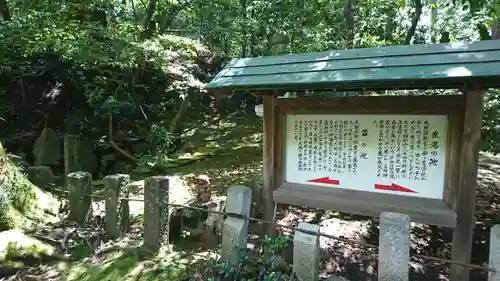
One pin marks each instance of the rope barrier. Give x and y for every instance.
(296, 229)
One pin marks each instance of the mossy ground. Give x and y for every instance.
(235, 149)
(22, 204)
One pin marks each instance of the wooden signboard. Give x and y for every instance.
(367, 155)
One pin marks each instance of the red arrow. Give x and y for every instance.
(326, 180)
(393, 187)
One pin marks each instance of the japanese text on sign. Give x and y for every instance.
(368, 152)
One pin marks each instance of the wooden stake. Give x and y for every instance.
(268, 155)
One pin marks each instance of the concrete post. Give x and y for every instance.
(156, 219)
(80, 190)
(494, 260)
(306, 253)
(114, 185)
(394, 247)
(235, 230)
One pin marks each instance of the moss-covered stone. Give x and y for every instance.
(21, 202)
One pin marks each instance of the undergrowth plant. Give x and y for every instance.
(268, 264)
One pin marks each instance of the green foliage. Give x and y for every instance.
(6, 221)
(267, 265)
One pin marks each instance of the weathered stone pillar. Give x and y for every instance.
(156, 220)
(494, 260)
(124, 214)
(235, 230)
(306, 253)
(71, 154)
(114, 185)
(394, 247)
(80, 190)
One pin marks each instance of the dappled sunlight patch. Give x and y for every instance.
(18, 250)
(137, 265)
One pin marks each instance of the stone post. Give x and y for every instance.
(80, 190)
(394, 247)
(41, 176)
(71, 154)
(494, 260)
(156, 219)
(235, 230)
(124, 215)
(306, 253)
(114, 185)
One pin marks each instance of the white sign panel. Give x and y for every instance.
(395, 154)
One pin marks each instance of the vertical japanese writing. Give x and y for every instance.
(380, 153)
(434, 146)
(425, 151)
(320, 146)
(297, 134)
(418, 150)
(404, 150)
(355, 147)
(330, 146)
(392, 150)
(315, 146)
(398, 149)
(411, 157)
(309, 146)
(336, 147)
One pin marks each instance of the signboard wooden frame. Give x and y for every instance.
(431, 211)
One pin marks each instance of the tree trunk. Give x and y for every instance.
(414, 21)
(4, 11)
(244, 39)
(495, 30)
(349, 23)
(147, 20)
(169, 16)
(434, 13)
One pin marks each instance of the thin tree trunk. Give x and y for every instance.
(495, 30)
(349, 23)
(180, 114)
(434, 13)
(244, 31)
(4, 11)
(146, 21)
(414, 21)
(170, 15)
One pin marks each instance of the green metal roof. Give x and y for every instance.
(408, 66)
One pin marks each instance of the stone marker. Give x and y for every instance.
(80, 189)
(41, 176)
(235, 230)
(114, 185)
(306, 253)
(394, 247)
(47, 148)
(71, 154)
(156, 219)
(494, 260)
(88, 160)
(124, 214)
